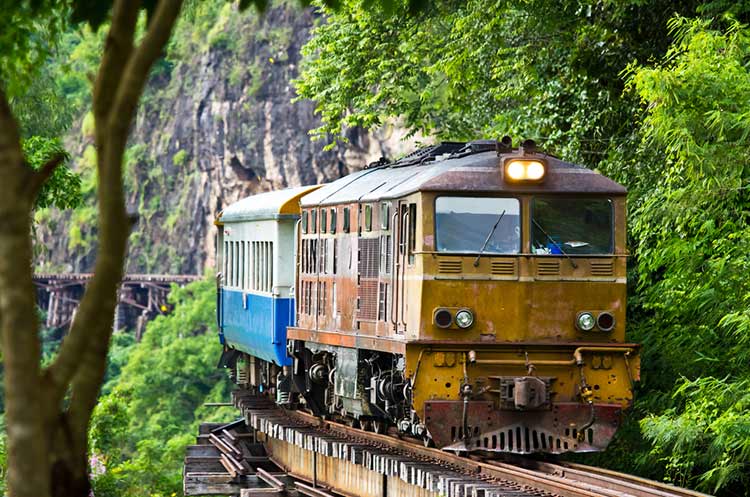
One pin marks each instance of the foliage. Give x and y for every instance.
(29, 31)
(141, 427)
(3, 455)
(693, 243)
(536, 69)
(708, 436)
(178, 159)
(62, 189)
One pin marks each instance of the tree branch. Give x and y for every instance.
(19, 327)
(89, 335)
(114, 233)
(138, 66)
(117, 51)
(41, 176)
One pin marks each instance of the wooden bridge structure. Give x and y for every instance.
(141, 297)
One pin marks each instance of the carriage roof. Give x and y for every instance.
(279, 204)
(460, 169)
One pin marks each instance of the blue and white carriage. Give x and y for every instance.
(256, 247)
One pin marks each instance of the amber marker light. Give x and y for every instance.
(525, 170)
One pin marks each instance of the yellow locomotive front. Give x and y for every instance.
(519, 297)
(472, 296)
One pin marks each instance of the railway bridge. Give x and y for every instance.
(141, 297)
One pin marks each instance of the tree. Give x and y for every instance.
(47, 438)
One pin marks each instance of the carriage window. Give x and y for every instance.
(323, 220)
(571, 226)
(333, 221)
(304, 222)
(347, 219)
(468, 224)
(314, 221)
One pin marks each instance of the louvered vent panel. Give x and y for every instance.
(548, 268)
(601, 268)
(368, 300)
(369, 266)
(369, 257)
(450, 266)
(503, 268)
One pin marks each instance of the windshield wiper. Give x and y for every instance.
(487, 240)
(572, 262)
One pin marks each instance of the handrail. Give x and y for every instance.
(576, 360)
(394, 232)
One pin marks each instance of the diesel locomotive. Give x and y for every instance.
(471, 295)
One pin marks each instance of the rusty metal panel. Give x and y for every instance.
(553, 430)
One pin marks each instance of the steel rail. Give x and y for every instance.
(564, 479)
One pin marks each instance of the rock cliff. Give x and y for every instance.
(215, 125)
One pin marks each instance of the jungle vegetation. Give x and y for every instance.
(653, 93)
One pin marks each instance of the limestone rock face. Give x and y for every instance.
(215, 127)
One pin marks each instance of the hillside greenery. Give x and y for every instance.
(655, 95)
(150, 410)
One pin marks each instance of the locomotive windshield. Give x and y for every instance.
(571, 226)
(474, 225)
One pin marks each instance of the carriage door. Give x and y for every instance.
(405, 213)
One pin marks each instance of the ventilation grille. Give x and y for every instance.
(369, 257)
(450, 266)
(503, 268)
(601, 268)
(524, 440)
(367, 290)
(548, 268)
(368, 300)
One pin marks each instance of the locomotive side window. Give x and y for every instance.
(412, 231)
(571, 226)
(368, 218)
(385, 215)
(473, 225)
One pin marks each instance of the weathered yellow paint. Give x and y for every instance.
(517, 315)
(292, 206)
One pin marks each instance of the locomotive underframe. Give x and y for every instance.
(478, 409)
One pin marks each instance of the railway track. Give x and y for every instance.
(334, 458)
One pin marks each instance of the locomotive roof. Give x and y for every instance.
(458, 167)
(278, 204)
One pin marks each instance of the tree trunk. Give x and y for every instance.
(48, 438)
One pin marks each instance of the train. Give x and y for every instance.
(470, 295)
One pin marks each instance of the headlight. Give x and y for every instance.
(464, 318)
(524, 170)
(585, 321)
(443, 318)
(605, 321)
